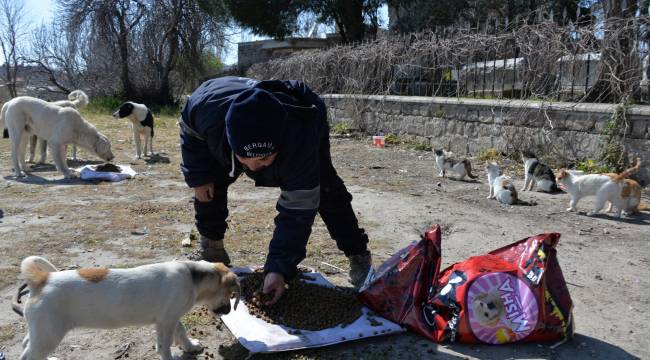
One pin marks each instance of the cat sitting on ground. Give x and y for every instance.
(502, 187)
(606, 187)
(538, 173)
(445, 162)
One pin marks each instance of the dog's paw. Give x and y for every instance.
(570, 209)
(193, 346)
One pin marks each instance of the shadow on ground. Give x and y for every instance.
(410, 346)
(39, 180)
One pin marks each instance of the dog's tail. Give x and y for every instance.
(79, 98)
(35, 270)
(5, 132)
(625, 174)
(643, 207)
(468, 169)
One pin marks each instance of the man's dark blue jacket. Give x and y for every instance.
(208, 157)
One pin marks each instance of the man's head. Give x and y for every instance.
(255, 126)
(257, 163)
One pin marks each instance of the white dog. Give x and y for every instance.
(24, 115)
(76, 100)
(157, 294)
(141, 122)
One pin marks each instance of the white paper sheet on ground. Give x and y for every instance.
(258, 336)
(88, 172)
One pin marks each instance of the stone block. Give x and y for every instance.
(639, 128)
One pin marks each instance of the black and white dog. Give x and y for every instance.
(142, 123)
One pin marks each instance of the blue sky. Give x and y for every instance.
(40, 11)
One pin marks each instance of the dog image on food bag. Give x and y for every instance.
(488, 309)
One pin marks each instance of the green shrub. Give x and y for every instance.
(392, 139)
(103, 104)
(490, 154)
(341, 128)
(420, 145)
(591, 166)
(109, 104)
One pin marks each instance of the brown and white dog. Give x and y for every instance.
(157, 294)
(142, 123)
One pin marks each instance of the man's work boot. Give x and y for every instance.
(210, 250)
(359, 268)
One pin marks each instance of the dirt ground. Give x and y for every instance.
(72, 223)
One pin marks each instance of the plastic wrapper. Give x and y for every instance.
(398, 289)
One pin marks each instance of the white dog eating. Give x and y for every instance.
(76, 100)
(157, 294)
(24, 116)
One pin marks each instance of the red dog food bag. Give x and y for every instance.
(402, 284)
(513, 294)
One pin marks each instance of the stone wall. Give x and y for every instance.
(567, 131)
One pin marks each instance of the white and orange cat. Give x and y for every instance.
(631, 194)
(502, 187)
(612, 188)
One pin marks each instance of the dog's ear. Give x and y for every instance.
(231, 282)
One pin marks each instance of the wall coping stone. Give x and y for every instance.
(639, 110)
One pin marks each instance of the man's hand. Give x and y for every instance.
(273, 284)
(204, 193)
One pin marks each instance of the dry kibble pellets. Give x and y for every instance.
(302, 306)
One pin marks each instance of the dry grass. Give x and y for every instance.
(7, 332)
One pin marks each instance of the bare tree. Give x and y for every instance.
(56, 56)
(177, 38)
(112, 21)
(145, 50)
(12, 30)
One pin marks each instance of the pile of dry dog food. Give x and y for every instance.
(302, 306)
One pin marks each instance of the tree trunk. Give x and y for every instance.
(123, 44)
(166, 65)
(351, 18)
